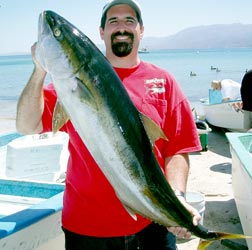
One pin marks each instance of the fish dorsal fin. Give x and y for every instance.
(152, 129)
(60, 117)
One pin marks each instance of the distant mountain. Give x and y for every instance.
(204, 37)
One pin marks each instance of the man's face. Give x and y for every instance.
(122, 32)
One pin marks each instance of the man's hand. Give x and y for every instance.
(182, 232)
(37, 64)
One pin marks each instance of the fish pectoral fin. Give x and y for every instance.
(153, 130)
(85, 94)
(60, 117)
(130, 212)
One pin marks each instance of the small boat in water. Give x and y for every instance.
(241, 151)
(31, 191)
(143, 50)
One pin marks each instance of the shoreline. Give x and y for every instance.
(8, 115)
(7, 125)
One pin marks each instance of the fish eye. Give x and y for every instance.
(57, 32)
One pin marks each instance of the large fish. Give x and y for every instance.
(119, 138)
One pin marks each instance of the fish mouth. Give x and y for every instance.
(48, 21)
(43, 26)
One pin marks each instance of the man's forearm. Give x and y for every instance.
(177, 170)
(31, 105)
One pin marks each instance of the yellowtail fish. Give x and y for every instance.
(119, 138)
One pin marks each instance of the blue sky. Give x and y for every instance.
(19, 19)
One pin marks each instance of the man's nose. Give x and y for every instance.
(121, 27)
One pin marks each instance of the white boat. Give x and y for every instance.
(241, 151)
(30, 215)
(228, 115)
(30, 195)
(143, 50)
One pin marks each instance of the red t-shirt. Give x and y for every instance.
(91, 206)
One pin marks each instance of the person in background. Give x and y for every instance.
(246, 94)
(93, 218)
(230, 90)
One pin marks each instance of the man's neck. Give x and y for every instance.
(129, 61)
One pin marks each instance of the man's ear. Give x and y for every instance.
(101, 33)
(142, 32)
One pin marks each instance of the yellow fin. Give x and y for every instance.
(153, 130)
(130, 212)
(203, 244)
(85, 94)
(60, 117)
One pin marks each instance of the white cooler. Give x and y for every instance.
(35, 155)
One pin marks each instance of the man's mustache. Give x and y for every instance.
(125, 33)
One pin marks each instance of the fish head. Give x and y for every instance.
(59, 46)
(69, 56)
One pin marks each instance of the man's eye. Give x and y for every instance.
(112, 21)
(131, 20)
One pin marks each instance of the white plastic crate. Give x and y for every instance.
(33, 155)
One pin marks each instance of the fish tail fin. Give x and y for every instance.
(203, 244)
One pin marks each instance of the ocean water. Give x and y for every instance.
(232, 63)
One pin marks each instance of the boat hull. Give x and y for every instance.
(227, 115)
(42, 235)
(240, 145)
(30, 204)
(35, 226)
